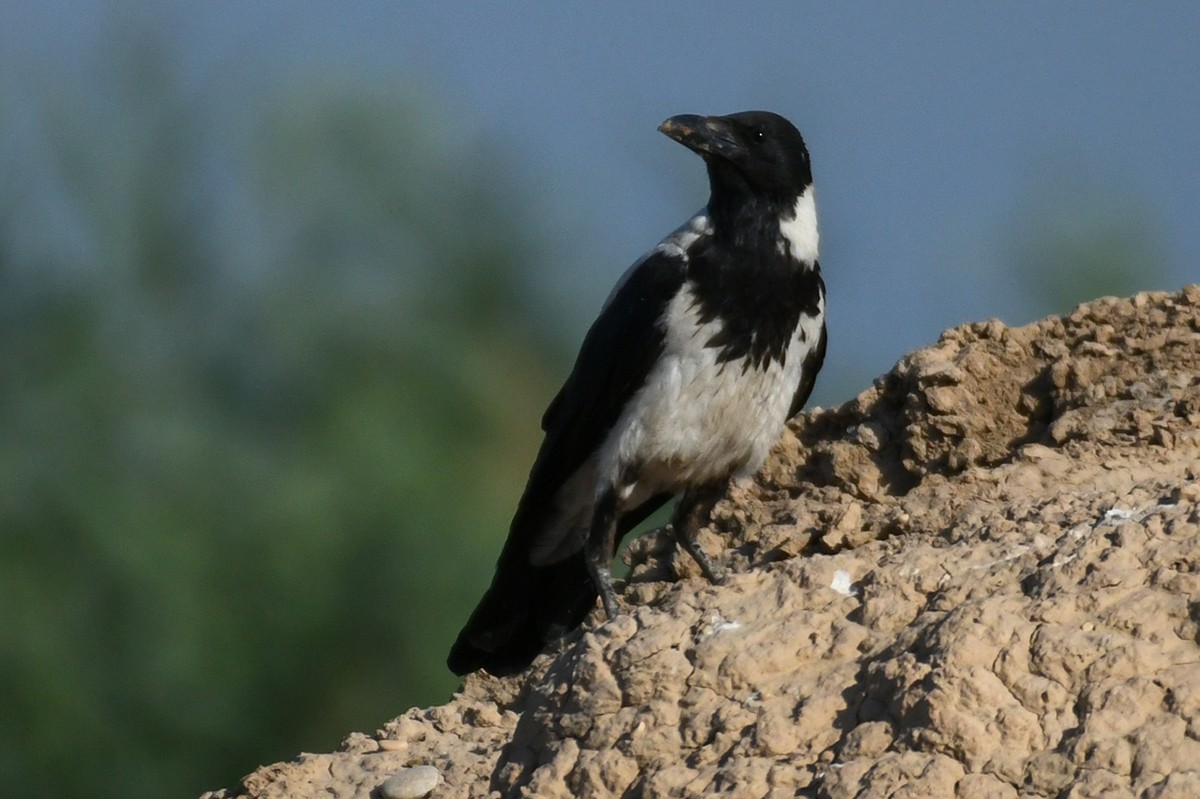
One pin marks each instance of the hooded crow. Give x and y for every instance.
(700, 355)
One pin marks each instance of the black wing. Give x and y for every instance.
(812, 361)
(616, 356)
(808, 377)
(527, 605)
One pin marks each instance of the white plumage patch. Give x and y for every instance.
(800, 232)
(698, 420)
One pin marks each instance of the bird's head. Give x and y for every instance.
(753, 152)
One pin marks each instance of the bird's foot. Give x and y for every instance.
(611, 608)
(608, 594)
(714, 573)
(598, 551)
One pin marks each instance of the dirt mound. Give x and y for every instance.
(980, 578)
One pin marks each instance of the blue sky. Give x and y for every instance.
(934, 128)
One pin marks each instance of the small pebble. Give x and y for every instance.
(842, 583)
(392, 745)
(410, 783)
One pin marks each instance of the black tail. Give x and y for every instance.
(525, 608)
(528, 607)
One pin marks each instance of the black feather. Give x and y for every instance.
(514, 620)
(808, 379)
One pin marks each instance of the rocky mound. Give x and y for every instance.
(980, 578)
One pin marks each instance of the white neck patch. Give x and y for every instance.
(800, 232)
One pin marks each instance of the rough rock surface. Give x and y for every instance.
(980, 578)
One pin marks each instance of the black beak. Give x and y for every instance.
(704, 135)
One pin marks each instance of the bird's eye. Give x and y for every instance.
(759, 136)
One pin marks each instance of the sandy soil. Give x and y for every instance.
(980, 578)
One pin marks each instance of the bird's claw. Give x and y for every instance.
(714, 573)
(611, 608)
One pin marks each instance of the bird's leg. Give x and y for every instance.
(598, 551)
(691, 512)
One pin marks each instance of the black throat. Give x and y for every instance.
(745, 277)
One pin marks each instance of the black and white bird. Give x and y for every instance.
(702, 352)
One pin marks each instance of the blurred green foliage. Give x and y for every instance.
(265, 397)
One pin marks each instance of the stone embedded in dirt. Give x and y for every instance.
(979, 578)
(410, 783)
